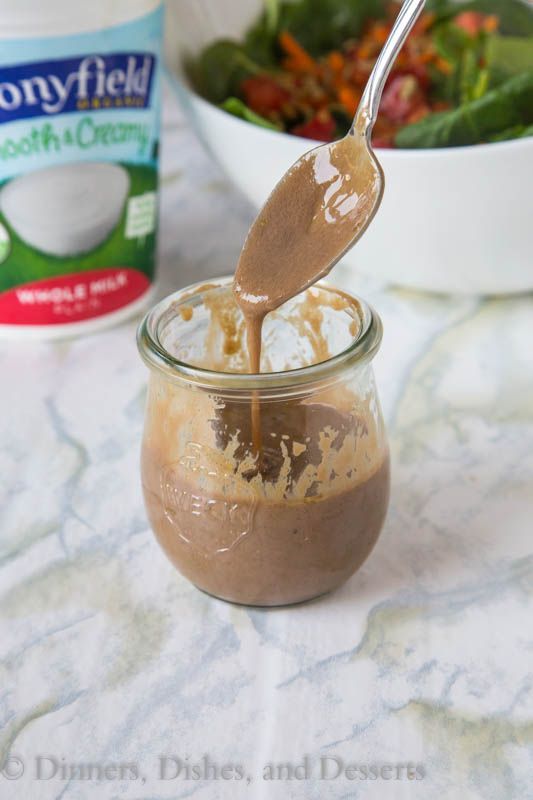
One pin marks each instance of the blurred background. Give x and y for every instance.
(108, 655)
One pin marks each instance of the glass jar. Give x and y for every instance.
(291, 518)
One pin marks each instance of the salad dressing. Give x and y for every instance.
(321, 205)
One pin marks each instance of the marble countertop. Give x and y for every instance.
(111, 660)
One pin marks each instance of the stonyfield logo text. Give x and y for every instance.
(94, 82)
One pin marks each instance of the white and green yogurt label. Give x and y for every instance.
(79, 140)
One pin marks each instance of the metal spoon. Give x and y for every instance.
(321, 206)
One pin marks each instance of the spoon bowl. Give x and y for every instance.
(317, 212)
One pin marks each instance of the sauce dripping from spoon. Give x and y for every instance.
(317, 211)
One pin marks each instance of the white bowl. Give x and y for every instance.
(452, 220)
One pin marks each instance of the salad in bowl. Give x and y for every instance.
(263, 81)
(465, 75)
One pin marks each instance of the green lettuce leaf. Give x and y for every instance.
(239, 109)
(220, 69)
(508, 55)
(518, 132)
(505, 107)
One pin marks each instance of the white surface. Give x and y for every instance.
(452, 220)
(109, 656)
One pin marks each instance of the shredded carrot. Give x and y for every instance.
(290, 65)
(425, 21)
(338, 81)
(491, 23)
(402, 61)
(380, 32)
(336, 61)
(365, 51)
(349, 99)
(444, 66)
(299, 57)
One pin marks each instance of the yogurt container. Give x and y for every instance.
(79, 137)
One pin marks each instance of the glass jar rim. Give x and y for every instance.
(362, 348)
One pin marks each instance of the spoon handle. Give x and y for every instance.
(367, 111)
